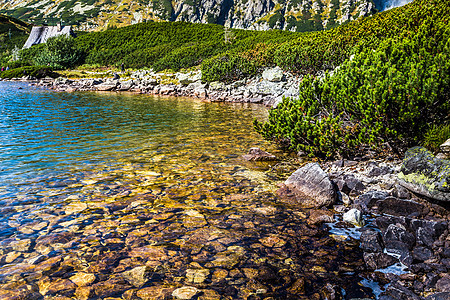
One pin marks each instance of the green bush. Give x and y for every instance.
(59, 52)
(228, 67)
(435, 136)
(33, 71)
(382, 98)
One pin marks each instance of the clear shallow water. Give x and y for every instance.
(108, 195)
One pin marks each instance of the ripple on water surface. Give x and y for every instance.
(109, 195)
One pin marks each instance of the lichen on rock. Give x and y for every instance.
(426, 175)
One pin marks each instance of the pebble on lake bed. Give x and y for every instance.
(185, 292)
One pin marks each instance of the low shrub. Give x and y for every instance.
(384, 98)
(229, 67)
(59, 52)
(435, 136)
(33, 71)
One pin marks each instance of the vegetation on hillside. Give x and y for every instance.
(392, 91)
(13, 34)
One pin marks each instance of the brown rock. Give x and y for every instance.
(61, 287)
(154, 293)
(82, 279)
(84, 292)
(318, 216)
(256, 154)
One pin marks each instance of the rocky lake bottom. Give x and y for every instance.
(112, 196)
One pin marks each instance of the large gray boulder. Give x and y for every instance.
(309, 186)
(426, 175)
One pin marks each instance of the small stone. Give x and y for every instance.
(273, 241)
(21, 245)
(298, 287)
(84, 292)
(75, 207)
(354, 216)
(320, 216)
(445, 148)
(12, 256)
(196, 275)
(82, 279)
(256, 154)
(154, 292)
(346, 199)
(185, 292)
(422, 253)
(399, 207)
(397, 239)
(136, 276)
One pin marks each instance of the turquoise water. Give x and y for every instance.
(132, 196)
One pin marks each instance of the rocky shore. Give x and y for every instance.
(269, 88)
(402, 225)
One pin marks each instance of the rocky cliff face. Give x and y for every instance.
(294, 15)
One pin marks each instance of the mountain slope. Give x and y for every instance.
(294, 15)
(13, 32)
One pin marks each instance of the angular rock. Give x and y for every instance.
(371, 241)
(136, 276)
(320, 216)
(154, 292)
(82, 279)
(105, 86)
(421, 254)
(399, 207)
(379, 171)
(399, 292)
(348, 184)
(125, 85)
(439, 296)
(217, 85)
(424, 174)
(378, 260)
(196, 275)
(185, 79)
(309, 186)
(397, 239)
(401, 192)
(256, 154)
(369, 199)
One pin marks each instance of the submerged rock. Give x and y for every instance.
(426, 175)
(137, 276)
(309, 186)
(185, 292)
(256, 154)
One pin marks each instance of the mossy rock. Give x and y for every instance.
(426, 175)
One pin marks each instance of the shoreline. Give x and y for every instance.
(267, 89)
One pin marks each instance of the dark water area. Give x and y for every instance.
(138, 197)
